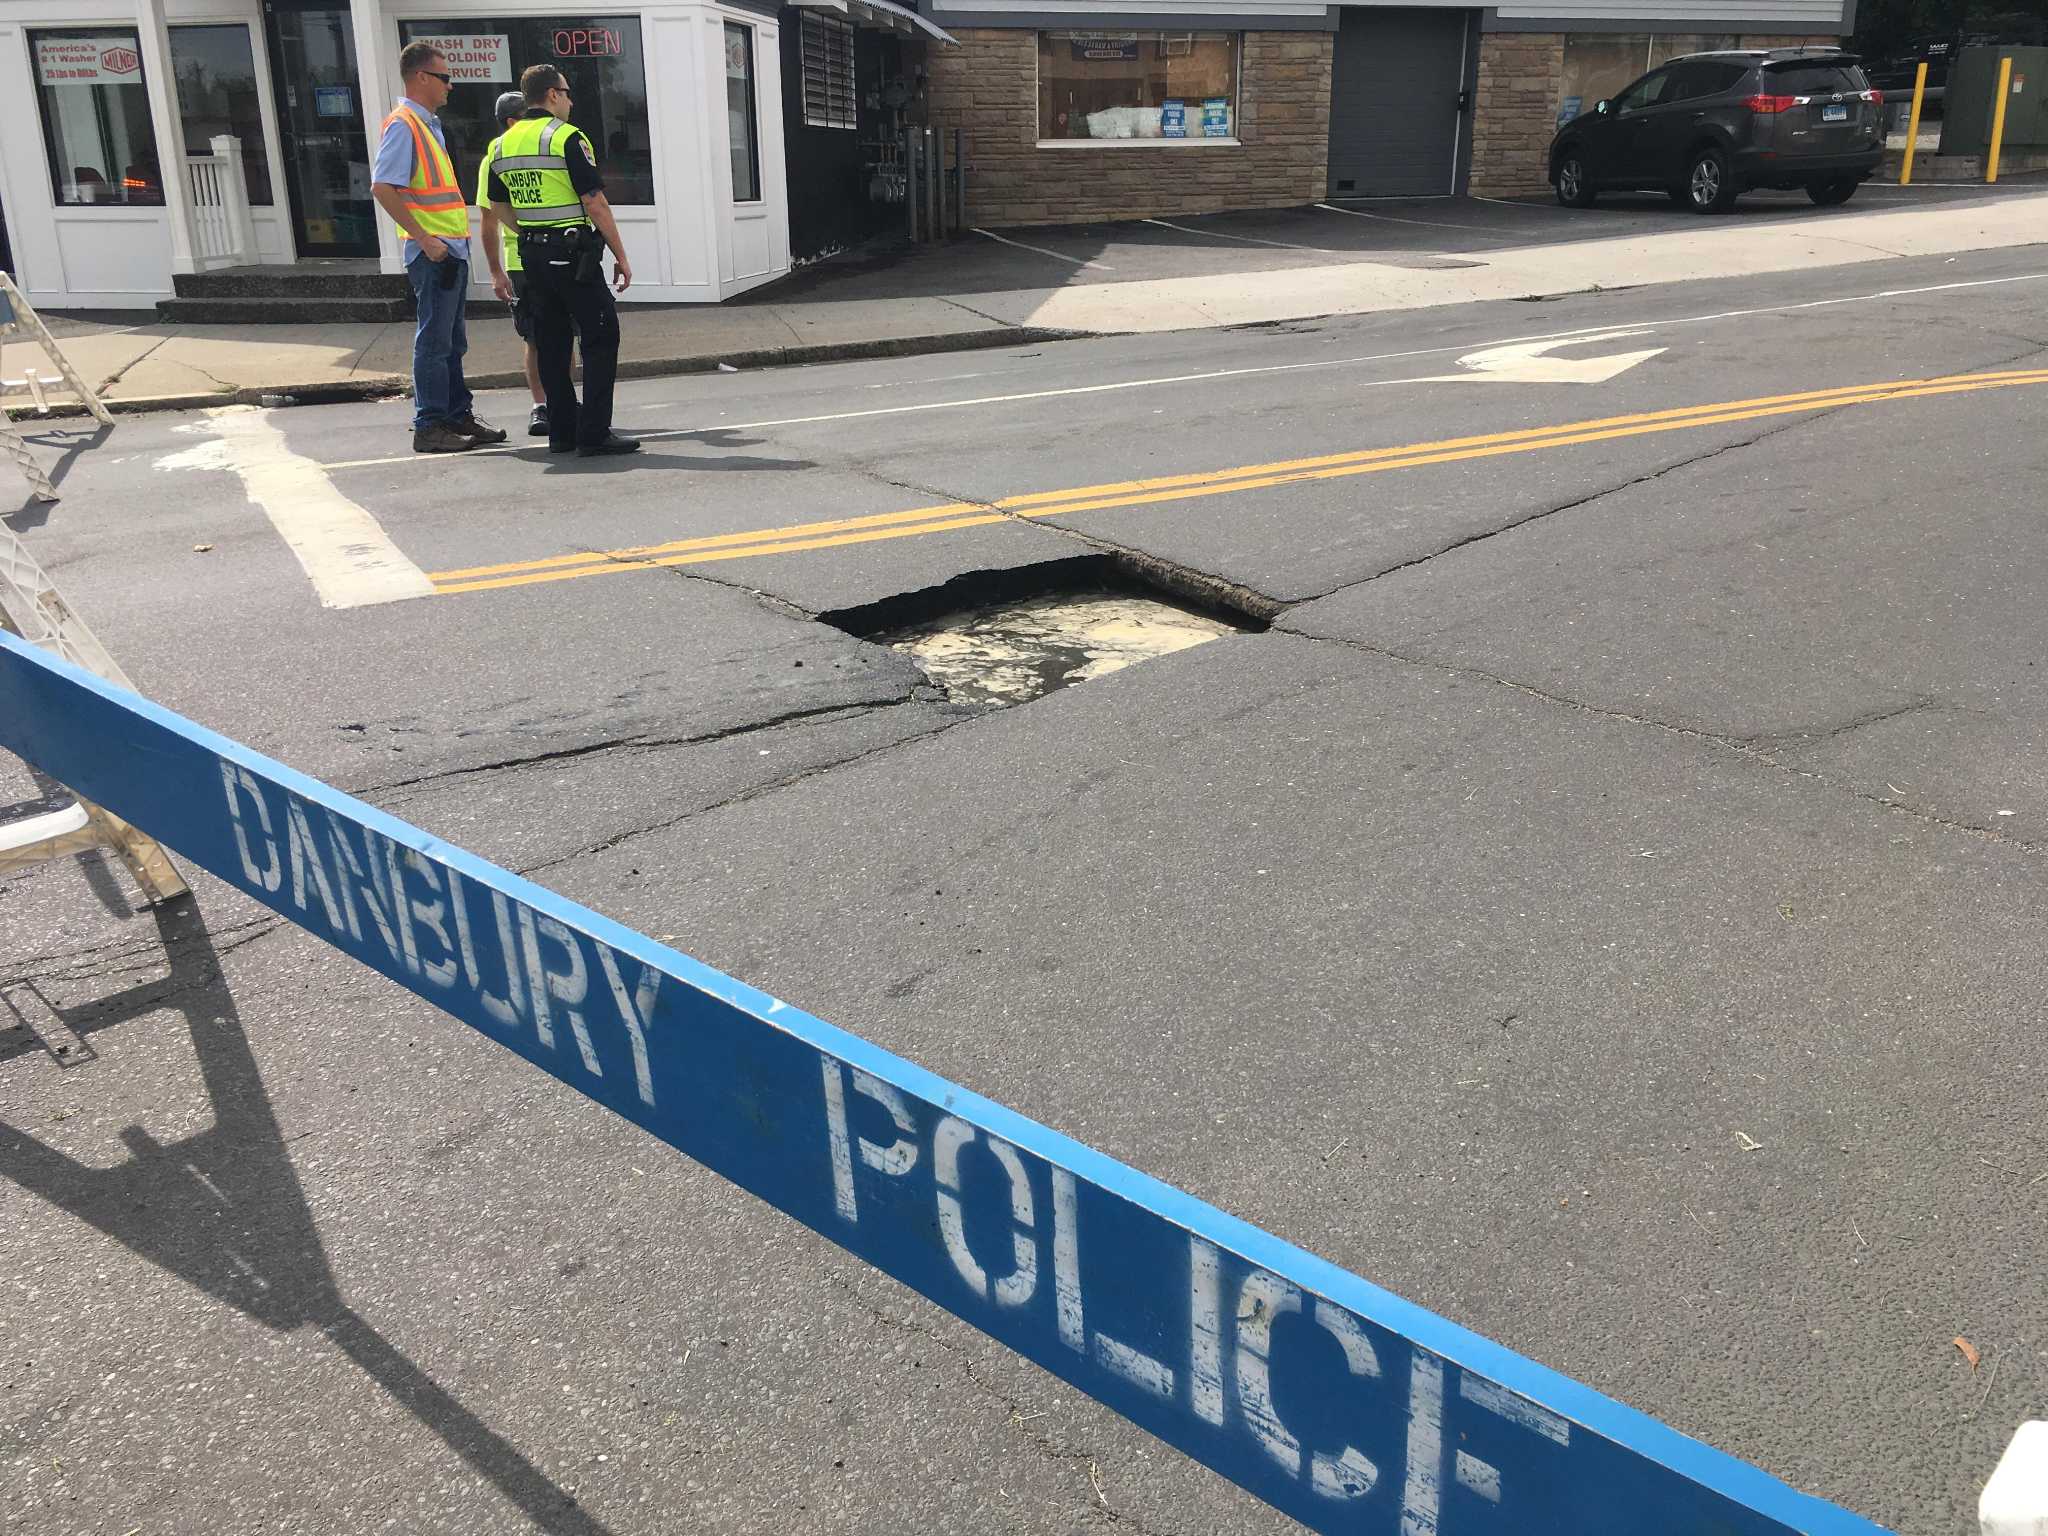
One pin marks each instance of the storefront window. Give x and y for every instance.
(739, 113)
(216, 69)
(599, 55)
(95, 111)
(1137, 85)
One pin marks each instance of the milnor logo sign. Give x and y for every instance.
(1341, 1405)
(86, 61)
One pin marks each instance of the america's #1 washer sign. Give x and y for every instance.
(1342, 1405)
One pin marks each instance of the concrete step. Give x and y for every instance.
(1926, 167)
(294, 310)
(309, 279)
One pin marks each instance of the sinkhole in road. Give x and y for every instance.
(995, 638)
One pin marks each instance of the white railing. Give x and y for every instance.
(223, 234)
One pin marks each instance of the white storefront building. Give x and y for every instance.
(144, 138)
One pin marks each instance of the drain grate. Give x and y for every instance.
(996, 638)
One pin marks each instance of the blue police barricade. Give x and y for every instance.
(1191, 1323)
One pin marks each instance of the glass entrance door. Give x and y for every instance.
(320, 111)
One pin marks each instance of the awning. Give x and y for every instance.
(884, 15)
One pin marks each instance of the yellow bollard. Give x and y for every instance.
(1998, 118)
(1913, 126)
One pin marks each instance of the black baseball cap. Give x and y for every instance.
(511, 104)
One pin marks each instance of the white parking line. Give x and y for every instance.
(1388, 218)
(1248, 372)
(1217, 234)
(1544, 204)
(343, 549)
(1039, 250)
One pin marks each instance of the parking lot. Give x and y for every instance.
(1413, 233)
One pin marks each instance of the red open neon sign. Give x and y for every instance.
(587, 43)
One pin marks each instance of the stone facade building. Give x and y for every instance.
(1079, 112)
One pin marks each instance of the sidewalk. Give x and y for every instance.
(1038, 284)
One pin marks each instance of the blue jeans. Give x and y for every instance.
(438, 391)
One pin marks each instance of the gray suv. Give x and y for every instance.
(1710, 126)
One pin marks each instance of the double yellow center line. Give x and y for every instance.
(1247, 477)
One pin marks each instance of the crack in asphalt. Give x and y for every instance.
(752, 791)
(118, 950)
(1542, 514)
(770, 600)
(1041, 1442)
(1756, 749)
(645, 743)
(205, 974)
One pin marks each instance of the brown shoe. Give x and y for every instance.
(476, 431)
(441, 438)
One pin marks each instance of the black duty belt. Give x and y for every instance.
(566, 235)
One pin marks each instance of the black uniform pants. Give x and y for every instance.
(566, 312)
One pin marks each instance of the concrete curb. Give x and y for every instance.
(384, 386)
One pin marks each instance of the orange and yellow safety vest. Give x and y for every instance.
(434, 200)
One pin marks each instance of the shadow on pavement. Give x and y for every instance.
(69, 442)
(223, 1211)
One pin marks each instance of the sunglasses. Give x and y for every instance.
(435, 74)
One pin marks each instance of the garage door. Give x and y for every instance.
(1394, 120)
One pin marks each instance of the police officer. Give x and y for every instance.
(508, 277)
(545, 180)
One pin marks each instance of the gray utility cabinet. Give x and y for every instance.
(1972, 92)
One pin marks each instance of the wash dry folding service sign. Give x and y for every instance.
(474, 56)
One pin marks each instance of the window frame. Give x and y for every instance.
(1233, 140)
(259, 61)
(624, 188)
(752, 34)
(1643, 79)
(40, 88)
(833, 27)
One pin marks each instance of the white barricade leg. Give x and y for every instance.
(18, 317)
(15, 449)
(30, 607)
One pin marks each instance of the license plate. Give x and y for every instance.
(1834, 114)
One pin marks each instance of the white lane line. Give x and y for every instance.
(1217, 234)
(1257, 369)
(1039, 250)
(1388, 218)
(343, 549)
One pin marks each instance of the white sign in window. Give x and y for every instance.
(473, 56)
(87, 61)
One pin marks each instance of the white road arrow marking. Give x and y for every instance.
(1529, 362)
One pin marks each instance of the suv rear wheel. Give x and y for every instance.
(1709, 188)
(1574, 186)
(1827, 194)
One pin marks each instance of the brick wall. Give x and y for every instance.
(989, 87)
(1516, 100)
(1514, 111)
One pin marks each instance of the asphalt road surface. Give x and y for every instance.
(1597, 897)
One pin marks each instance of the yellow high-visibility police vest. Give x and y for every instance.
(533, 164)
(508, 237)
(432, 198)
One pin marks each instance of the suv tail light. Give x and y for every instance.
(1874, 96)
(1769, 104)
